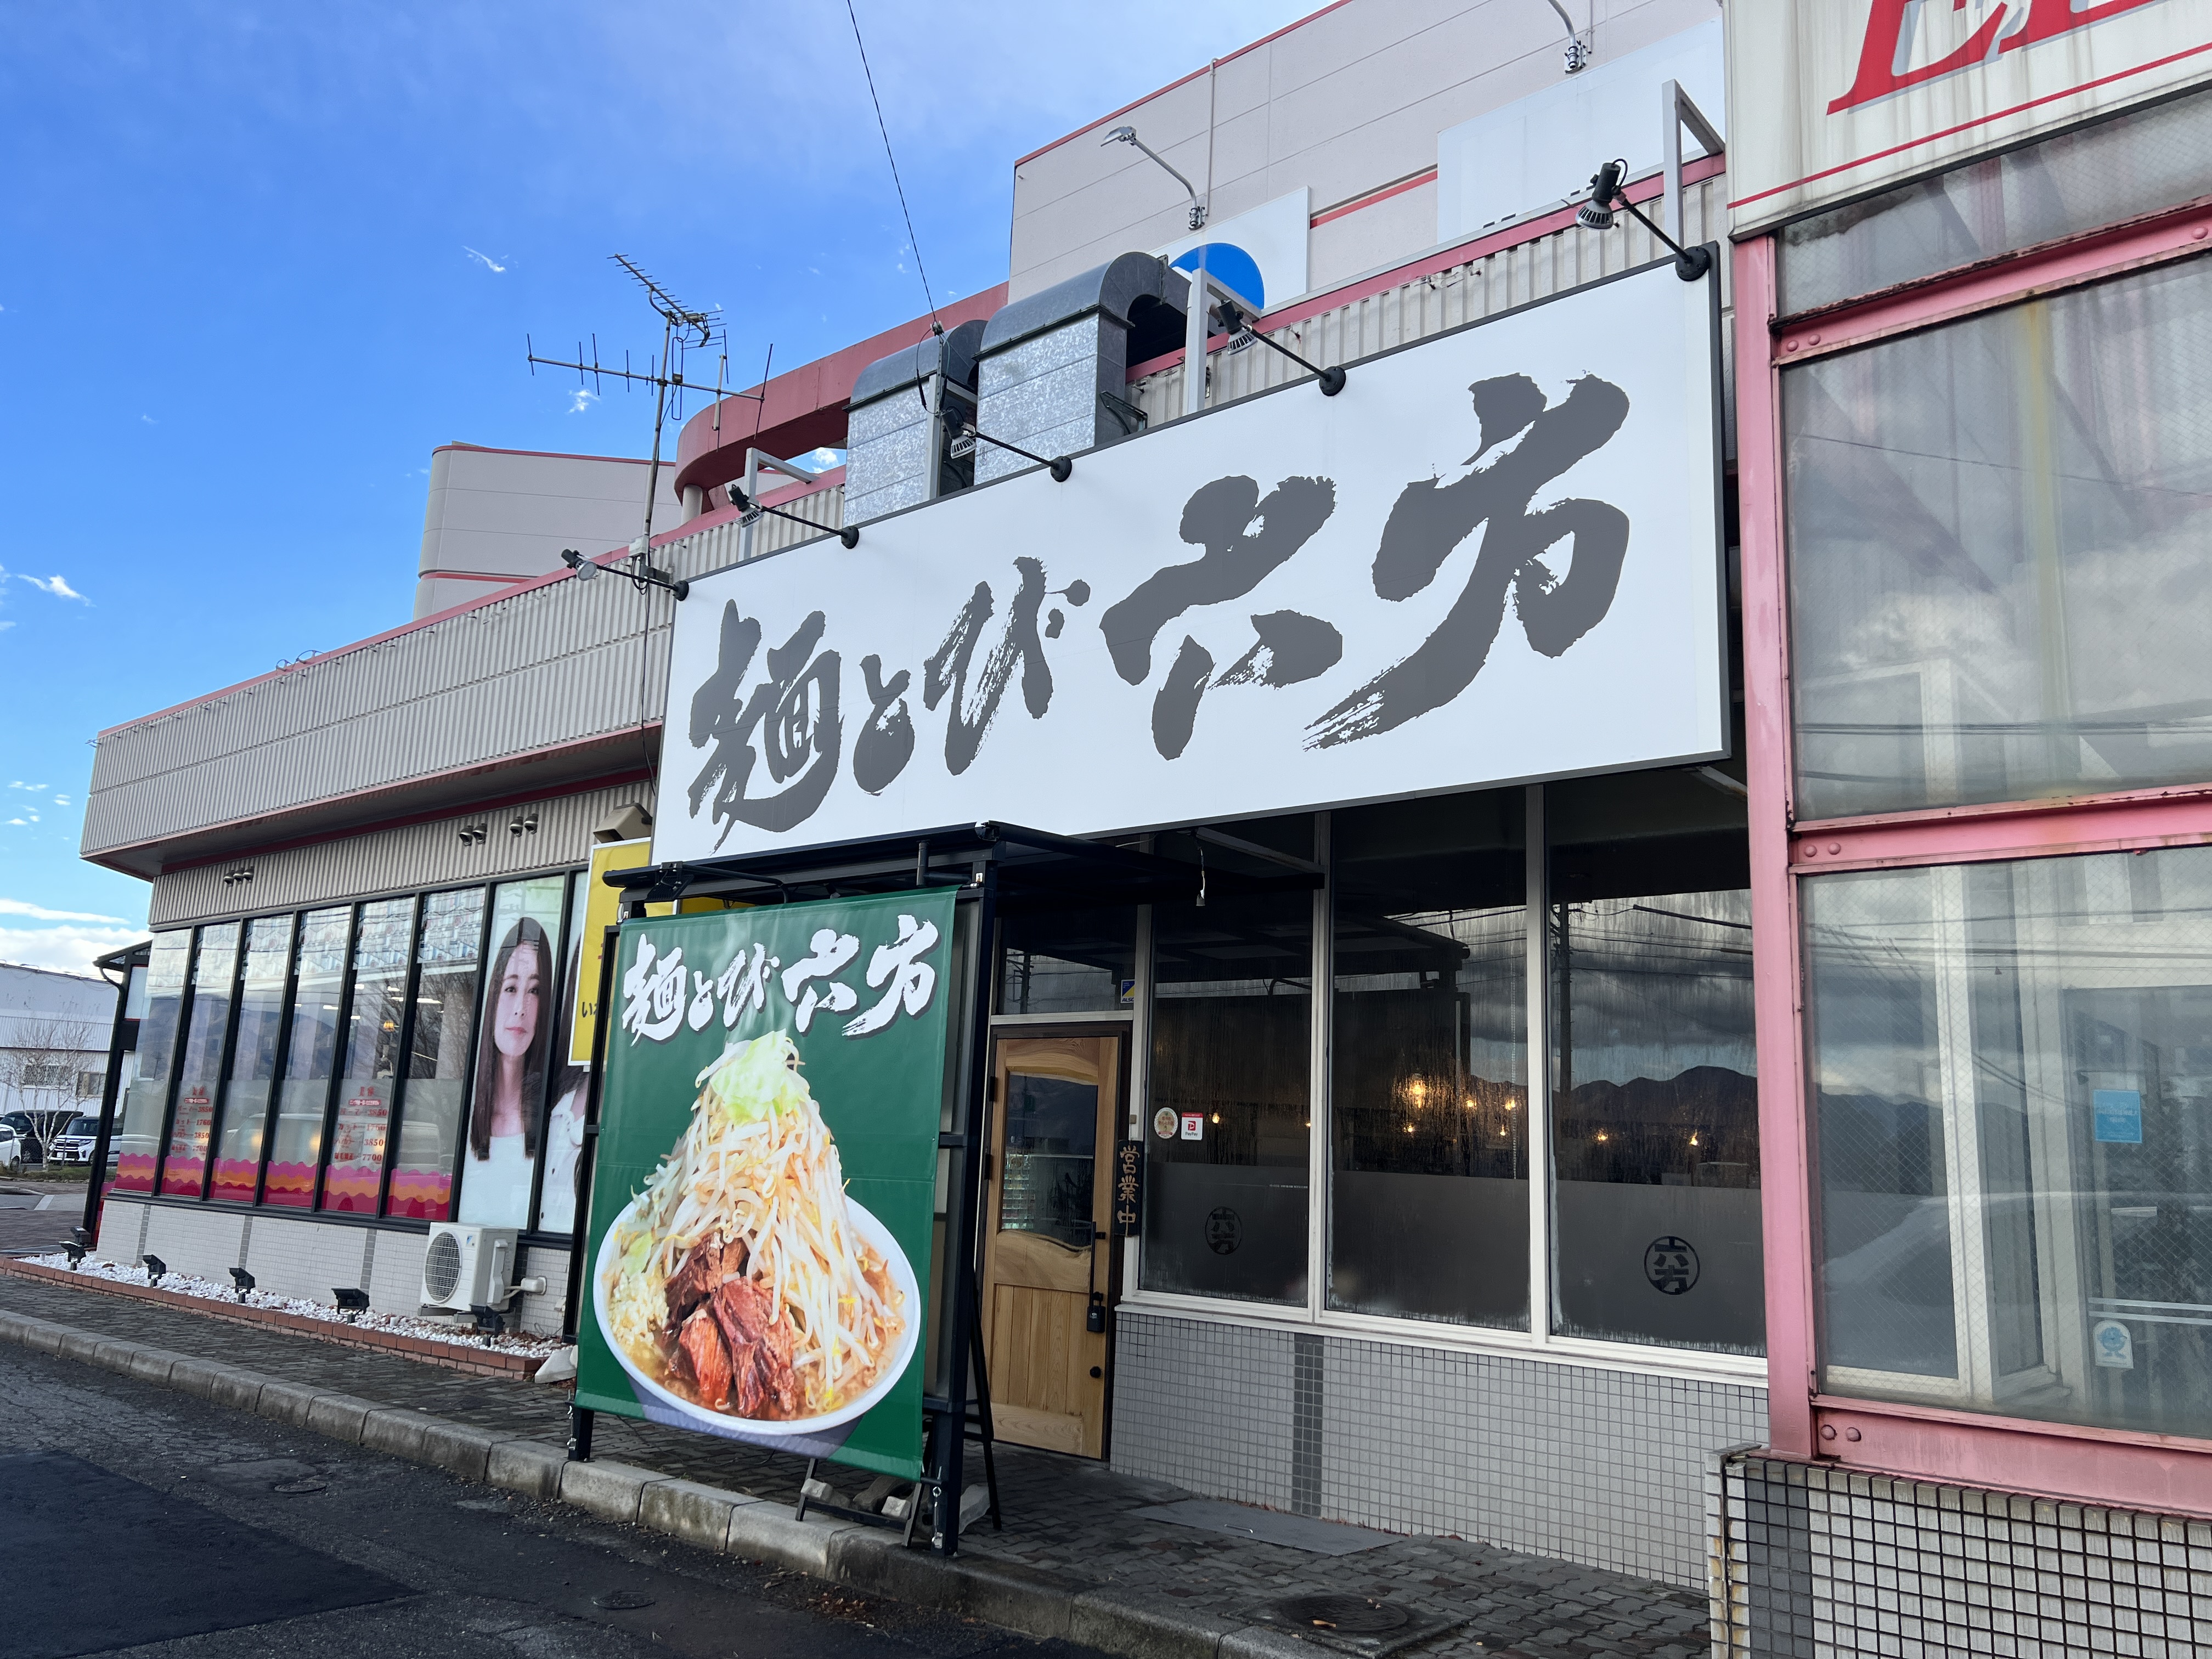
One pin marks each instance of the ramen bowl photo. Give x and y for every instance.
(742, 1288)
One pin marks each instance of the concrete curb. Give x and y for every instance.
(1009, 1594)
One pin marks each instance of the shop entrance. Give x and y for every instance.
(1050, 1263)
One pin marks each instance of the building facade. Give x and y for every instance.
(54, 1031)
(1974, 585)
(1714, 1169)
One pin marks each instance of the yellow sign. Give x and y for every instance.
(602, 910)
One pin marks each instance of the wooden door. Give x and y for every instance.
(1048, 1247)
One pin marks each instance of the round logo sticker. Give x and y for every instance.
(1670, 1264)
(1164, 1122)
(1224, 1231)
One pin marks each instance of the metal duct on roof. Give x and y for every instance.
(901, 420)
(1049, 361)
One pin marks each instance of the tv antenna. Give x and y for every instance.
(683, 331)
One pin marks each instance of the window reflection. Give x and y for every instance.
(564, 1119)
(1232, 1006)
(374, 1016)
(1655, 1097)
(2013, 1066)
(448, 952)
(2143, 161)
(1067, 961)
(199, 1062)
(145, 1103)
(1995, 541)
(252, 1059)
(303, 1097)
(1429, 1193)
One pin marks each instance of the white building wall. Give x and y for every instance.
(49, 1018)
(496, 516)
(1344, 104)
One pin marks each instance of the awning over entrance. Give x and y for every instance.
(1026, 868)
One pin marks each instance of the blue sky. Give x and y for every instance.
(257, 260)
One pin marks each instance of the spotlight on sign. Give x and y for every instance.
(849, 535)
(155, 1269)
(352, 1302)
(1234, 319)
(1597, 214)
(243, 1280)
(488, 1321)
(643, 577)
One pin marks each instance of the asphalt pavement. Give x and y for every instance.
(35, 1217)
(133, 1516)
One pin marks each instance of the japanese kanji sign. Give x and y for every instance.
(1494, 557)
(759, 1240)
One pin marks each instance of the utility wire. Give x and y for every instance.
(913, 241)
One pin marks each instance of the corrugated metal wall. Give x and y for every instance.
(553, 665)
(1447, 299)
(401, 860)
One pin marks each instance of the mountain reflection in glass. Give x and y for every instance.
(1654, 1093)
(1429, 1189)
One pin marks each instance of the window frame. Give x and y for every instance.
(1538, 1343)
(295, 917)
(1930, 1440)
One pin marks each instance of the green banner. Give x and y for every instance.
(759, 1243)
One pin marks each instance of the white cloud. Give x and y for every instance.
(70, 949)
(56, 586)
(17, 823)
(40, 913)
(61, 800)
(484, 259)
(35, 787)
(581, 401)
(149, 420)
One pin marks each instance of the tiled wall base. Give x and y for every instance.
(1606, 1469)
(288, 1256)
(1812, 1562)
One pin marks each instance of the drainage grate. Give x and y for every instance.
(1343, 1616)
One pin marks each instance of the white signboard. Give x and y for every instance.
(1261, 254)
(1832, 98)
(1493, 556)
(1537, 152)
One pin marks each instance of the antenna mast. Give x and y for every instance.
(680, 324)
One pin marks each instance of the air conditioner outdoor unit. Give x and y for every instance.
(468, 1267)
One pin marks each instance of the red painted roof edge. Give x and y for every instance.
(803, 393)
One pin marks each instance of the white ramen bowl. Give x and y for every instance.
(723, 1423)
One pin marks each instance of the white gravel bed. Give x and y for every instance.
(430, 1330)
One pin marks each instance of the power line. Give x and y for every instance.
(912, 240)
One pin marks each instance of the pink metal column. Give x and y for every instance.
(1785, 1179)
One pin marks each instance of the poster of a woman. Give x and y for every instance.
(511, 1052)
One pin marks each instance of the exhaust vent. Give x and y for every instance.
(1054, 370)
(906, 412)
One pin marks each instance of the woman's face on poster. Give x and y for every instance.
(515, 1018)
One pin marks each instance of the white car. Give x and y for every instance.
(73, 1143)
(11, 1150)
